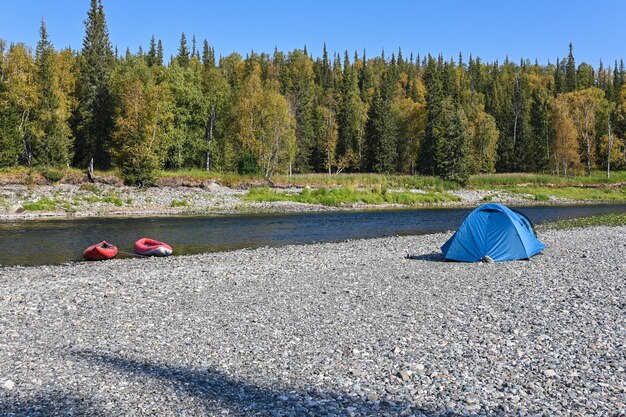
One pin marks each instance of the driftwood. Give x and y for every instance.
(101, 180)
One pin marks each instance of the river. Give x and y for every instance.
(55, 241)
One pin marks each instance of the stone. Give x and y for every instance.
(372, 396)
(8, 385)
(392, 390)
(406, 376)
(550, 373)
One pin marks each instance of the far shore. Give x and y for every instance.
(21, 202)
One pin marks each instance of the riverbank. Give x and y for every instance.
(19, 201)
(351, 328)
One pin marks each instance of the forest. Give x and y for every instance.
(290, 112)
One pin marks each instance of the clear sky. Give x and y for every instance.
(490, 29)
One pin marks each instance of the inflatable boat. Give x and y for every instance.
(151, 247)
(100, 251)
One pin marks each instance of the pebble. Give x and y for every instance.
(321, 329)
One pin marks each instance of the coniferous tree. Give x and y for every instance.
(94, 116)
(559, 78)
(159, 58)
(151, 57)
(434, 97)
(452, 149)
(183, 52)
(381, 130)
(54, 137)
(570, 71)
(207, 60)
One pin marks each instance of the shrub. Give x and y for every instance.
(51, 174)
(141, 171)
(248, 164)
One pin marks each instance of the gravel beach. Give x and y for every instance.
(349, 328)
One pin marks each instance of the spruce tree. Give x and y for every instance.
(434, 96)
(206, 56)
(570, 71)
(183, 52)
(559, 78)
(52, 146)
(381, 130)
(159, 58)
(325, 72)
(452, 151)
(94, 116)
(151, 57)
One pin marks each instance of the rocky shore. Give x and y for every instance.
(24, 202)
(351, 329)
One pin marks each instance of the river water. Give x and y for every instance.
(54, 241)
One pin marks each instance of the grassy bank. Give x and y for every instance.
(538, 187)
(614, 194)
(599, 220)
(348, 195)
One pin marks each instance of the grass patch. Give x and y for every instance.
(43, 204)
(111, 198)
(510, 180)
(92, 188)
(573, 193)
(179, 203)
(340, 196)
(310, 180)
(611, 219)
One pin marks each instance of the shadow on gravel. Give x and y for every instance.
(219, 391)
(432, 257)
(53, 403)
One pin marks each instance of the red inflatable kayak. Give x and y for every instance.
(151, 247)
(100, 251)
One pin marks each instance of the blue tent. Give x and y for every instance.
(495, 231)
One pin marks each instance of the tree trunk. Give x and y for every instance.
(608, 158)
(210, 137)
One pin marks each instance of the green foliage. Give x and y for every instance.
(43, 204)
(248, 164)
(141, 135)
(299, 114)
(452, 157)
(573, 193)
(610, 219)
(94, 115)
(347, 195)
(110, 198)
(51, 174)
(139, 170)
(179, 203)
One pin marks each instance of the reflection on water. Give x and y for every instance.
(51, 241)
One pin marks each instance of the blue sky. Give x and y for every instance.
(490, 29)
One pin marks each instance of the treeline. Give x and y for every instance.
(289, 112)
